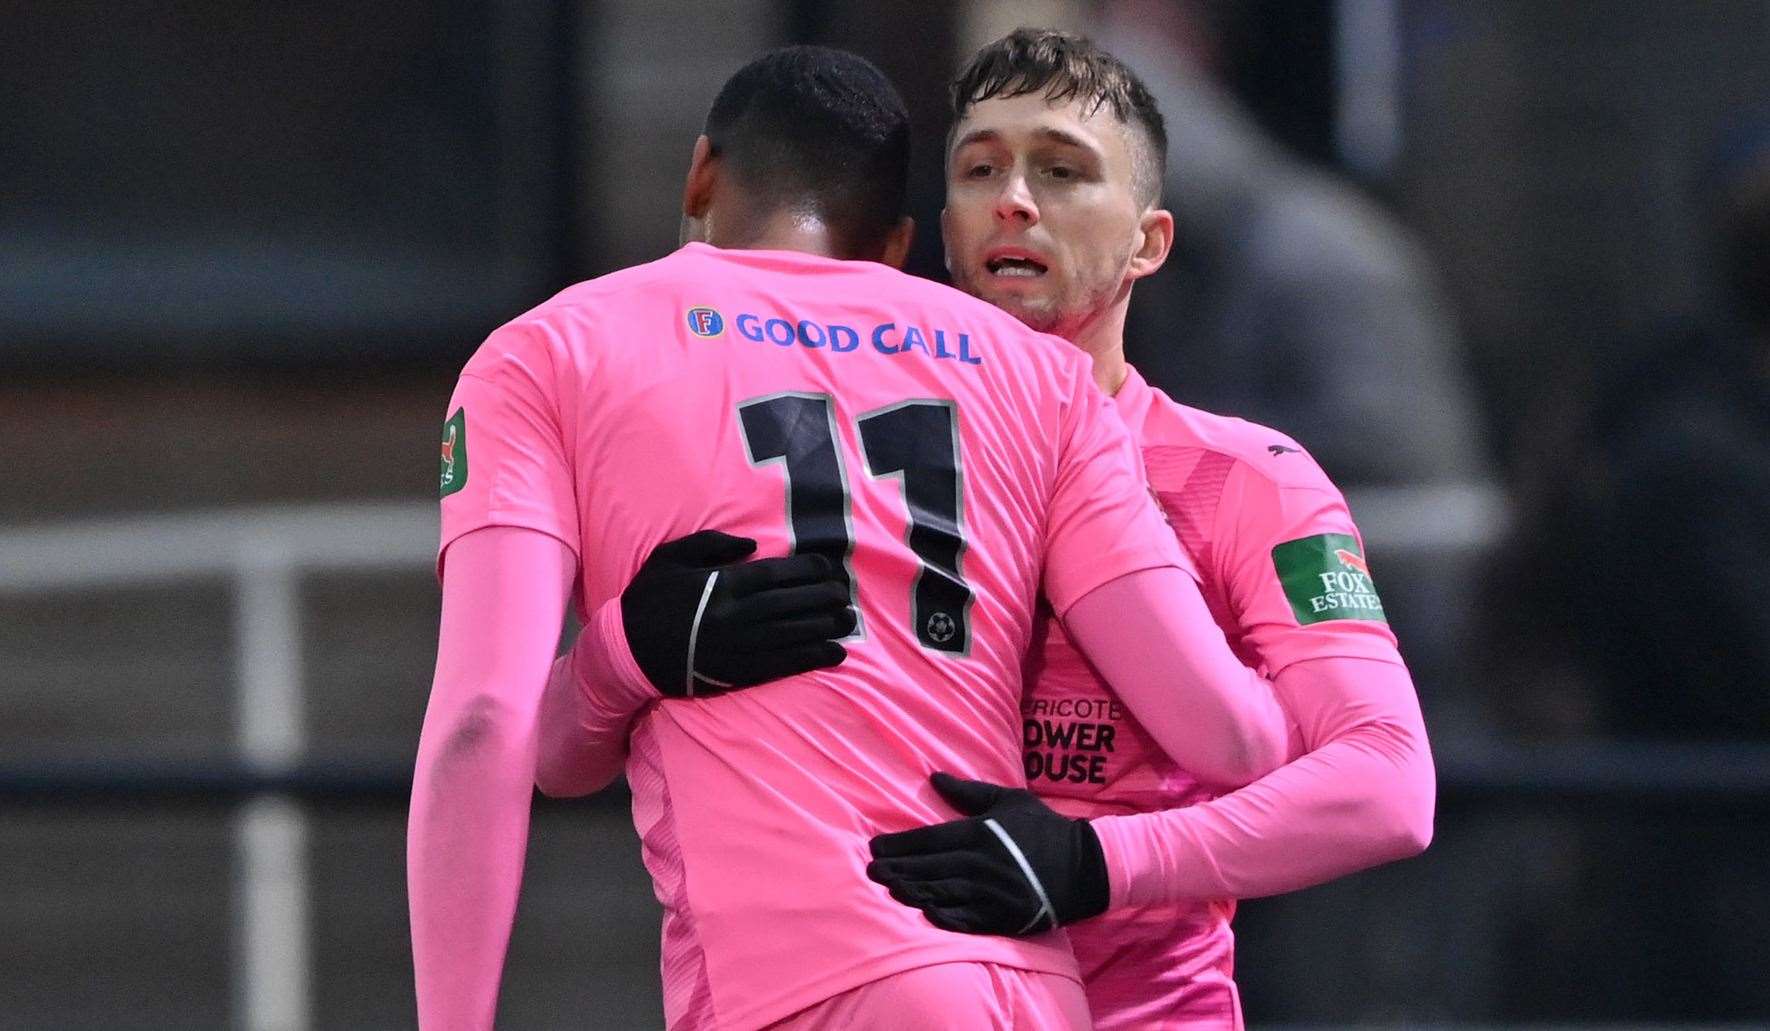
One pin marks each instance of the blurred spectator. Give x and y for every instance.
(1664, 510)
(1290, 299)
(1629, 607)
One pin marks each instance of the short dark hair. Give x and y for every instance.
(817, 129)
(1068, 67)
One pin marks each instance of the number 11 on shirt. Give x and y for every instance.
(915, 442)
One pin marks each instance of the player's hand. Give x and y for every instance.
(1015, 867)
(702, 621)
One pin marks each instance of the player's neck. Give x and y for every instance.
(1102, 336)
(781, 231)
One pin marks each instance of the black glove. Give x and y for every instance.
(701, 621)
(1015, 867)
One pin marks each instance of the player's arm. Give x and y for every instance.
(1293, 570)
(1362, 795)
(697, 621)
(1151, 637)
(509, 530)
(592, 699)
(1013, 865)
(1129, 597)
(503, 601)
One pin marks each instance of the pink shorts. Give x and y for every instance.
(952, 997)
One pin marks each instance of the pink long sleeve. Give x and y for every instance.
(1363, 795)
(1150, 635)
(503, 604)
(595, 693)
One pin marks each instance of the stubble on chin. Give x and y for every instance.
(1039, 316)
(1040, 319)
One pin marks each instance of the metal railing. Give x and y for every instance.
(262, 552)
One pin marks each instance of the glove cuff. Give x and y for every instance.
(607, 670)
(1092, 884)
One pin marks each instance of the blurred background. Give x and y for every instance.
(1504, 267)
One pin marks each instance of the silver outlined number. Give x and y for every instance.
(914, 442)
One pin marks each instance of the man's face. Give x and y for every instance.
(1041, 216)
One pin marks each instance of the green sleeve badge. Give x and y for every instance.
(454, 453)
(1325, 577)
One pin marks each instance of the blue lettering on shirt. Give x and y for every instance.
(886, 337)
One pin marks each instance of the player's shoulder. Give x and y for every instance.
(580, 301)
(1266, 456)
(559, 330)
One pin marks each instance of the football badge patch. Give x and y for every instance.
(454, 454)
(705, 322)
(1325, 577)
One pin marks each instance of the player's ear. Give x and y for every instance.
(703, 174)
(897, 242)
(1156, 239)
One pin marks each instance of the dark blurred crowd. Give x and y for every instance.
(1635, 609)
(1641, 549)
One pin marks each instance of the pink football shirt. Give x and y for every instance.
(950, 459)
(1282, 570)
